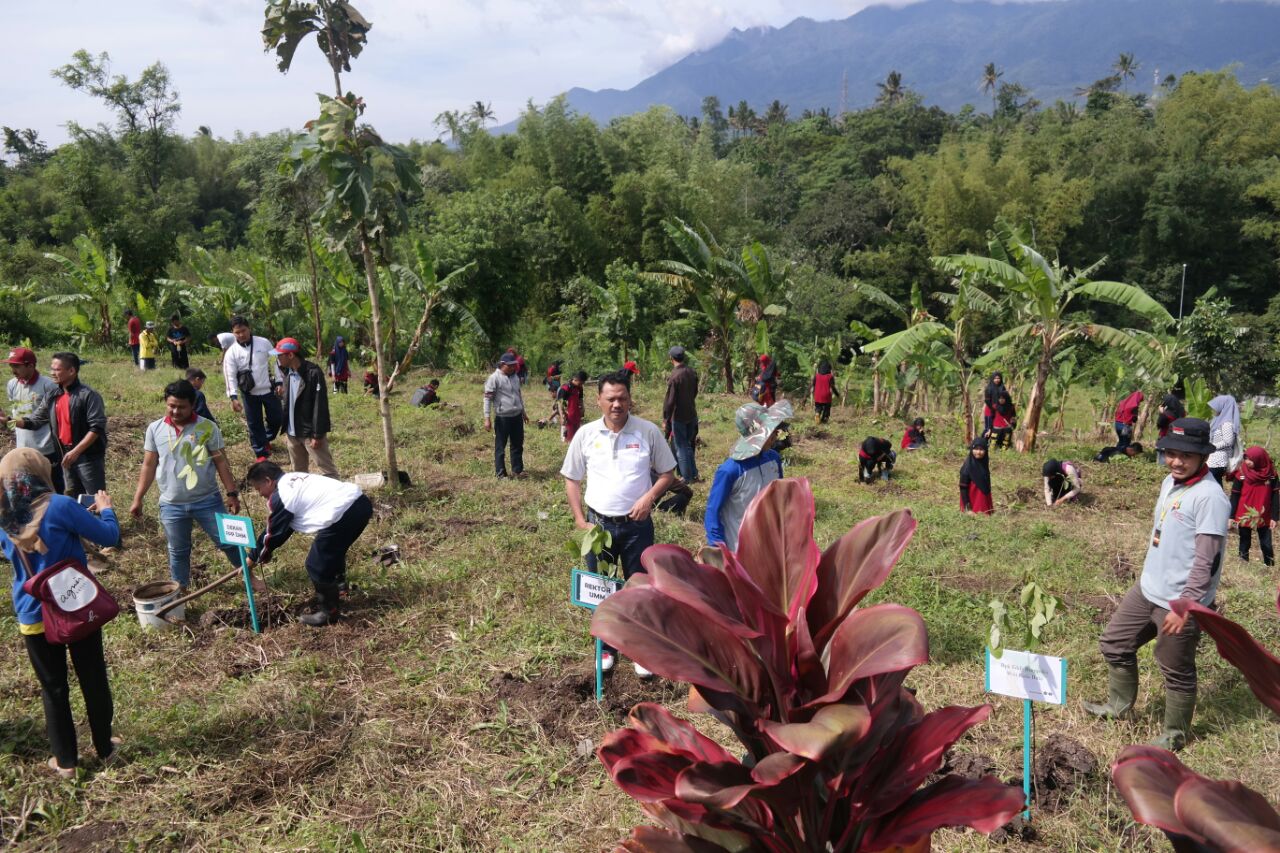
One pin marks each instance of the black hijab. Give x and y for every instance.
(1173, 408)
(1004, 404)
(978, 470)
(824, 367)
(993, 389)
(876, 448)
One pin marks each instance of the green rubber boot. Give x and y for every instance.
(1122, 692)
(1178, 708)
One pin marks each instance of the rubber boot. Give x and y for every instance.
(327, 612)
(1122, 691)
(1178, 708)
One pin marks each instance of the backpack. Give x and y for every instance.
(72, 603)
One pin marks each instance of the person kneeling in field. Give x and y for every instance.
(1061, 482)
(875, 457)
(336, 512)
(752, 465)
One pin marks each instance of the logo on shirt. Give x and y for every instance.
(632, 446)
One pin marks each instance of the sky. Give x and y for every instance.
(422, 58)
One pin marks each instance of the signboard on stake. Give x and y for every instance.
(589, 590)
(1031, 678)
(237, 531)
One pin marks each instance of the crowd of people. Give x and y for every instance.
(617, 470)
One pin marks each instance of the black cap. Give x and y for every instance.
(1190, 435)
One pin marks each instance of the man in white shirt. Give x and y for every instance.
(504, 414)
(619, 456)
(25, 390)
(253, 383)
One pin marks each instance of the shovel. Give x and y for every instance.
(234, 573)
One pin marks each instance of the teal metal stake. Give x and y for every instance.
(599, 671)
(248, 588)
(1026, 757)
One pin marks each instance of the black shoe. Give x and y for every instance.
(321, 617)
(1244, 557)
(502, 475)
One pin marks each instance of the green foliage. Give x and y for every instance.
(1038, 608)
(593, 540)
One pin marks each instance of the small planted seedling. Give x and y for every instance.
(593, 540)
(1039, 608)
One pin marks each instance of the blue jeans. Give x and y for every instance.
(1124, 435)
(683, 436)
(177, 520)
(630, 538)
(255, 406)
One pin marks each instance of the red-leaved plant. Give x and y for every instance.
(774, 645)
(1199, 814)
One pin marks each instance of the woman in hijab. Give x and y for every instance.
(340, 365)
(1255, 502)
(1171, 409)
(765, 389)
(1003, 419)
(1127, 418)
(913, 437)
(39, 529)
(824, 389)
(989, 399)
(1224, 432)
(975, 479)
(1061, 482)
(875, 456)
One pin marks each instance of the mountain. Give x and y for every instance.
(941, 47)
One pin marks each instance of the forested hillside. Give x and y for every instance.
(561, 222)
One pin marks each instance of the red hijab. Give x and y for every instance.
(1255, 488)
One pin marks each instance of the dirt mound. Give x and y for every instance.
(1062, 765)
(91, 836)
(1122, 567)
(1025, 495)
(971, 765)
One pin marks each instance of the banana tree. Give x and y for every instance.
(1044, 298)
(765, 288)
(712, 278)
(615, 313)
(94, 281)
(437, 296)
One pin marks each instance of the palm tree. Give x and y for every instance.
(990, 82)
(1043, 296)
(1126, 68)
(452, 121)
(481, 113)
(776, 113)
(891, 90)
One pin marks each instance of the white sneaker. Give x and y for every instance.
(642, 672)
(606, 661)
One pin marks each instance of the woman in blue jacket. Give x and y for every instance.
(38, 529)
(752, 465)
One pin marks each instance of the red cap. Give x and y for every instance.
(287, 345)
(21, 355)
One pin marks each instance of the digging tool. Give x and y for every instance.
(234, 573)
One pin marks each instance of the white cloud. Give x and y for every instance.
(420, 60)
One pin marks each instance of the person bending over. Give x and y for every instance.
(1061, 482)
(875, 457)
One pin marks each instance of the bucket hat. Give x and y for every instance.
(1190, 435)
(755, 425)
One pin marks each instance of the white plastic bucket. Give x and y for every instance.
(150, 597)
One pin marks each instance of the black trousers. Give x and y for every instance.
(508, 428)
(55, 472)
(823, 411)
(49, 660)
(87, 476)
(327, 560)
(1264, 542)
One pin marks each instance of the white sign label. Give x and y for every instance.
(235, 530)
(590, 589)
(1024, 675)
(72, 590)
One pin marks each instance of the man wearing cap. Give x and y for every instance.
(306, 409)
(1184, 560)
(752, 465)
(619, 456)
(26, 389)
(148, 346)
(75, 415)
(504, 414)
(680, 412)
(252, 385)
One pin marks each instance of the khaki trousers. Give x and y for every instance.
(1137, 622)
(301, 453)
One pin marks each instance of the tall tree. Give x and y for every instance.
(363, 201)
(438, 300)
(481, 113)
(776, 113)
(891, 89)
(990, 82)
(1043, 296)
(1126, 68)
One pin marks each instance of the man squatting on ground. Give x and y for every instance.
(25, 391)
(306, 409)
(619, 456)
(504, 414)
(75, 413)
(251, 385)
(1184, 560)
(178, 440)
(336, 512)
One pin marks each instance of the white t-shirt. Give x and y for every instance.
(618, 467)
(315, 500)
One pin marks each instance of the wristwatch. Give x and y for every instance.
(233, 494)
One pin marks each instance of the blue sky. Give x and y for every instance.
(423, 57)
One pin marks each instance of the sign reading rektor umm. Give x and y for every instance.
(590, 589)
(1024, 675)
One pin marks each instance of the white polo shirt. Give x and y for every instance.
(618, 467)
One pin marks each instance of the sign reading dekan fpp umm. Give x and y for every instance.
(235, 530)
(1024, 675)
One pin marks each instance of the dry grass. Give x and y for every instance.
(452, 709)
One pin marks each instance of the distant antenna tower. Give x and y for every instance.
(844, 92)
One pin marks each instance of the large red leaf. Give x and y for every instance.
(1233, 818)
(718, 786)
(833, 729)
(984, 804)
(649, 777)
(1148, 778)
(877, 640)
(650, 839)
(673, 640)
(676, 734)
(673, 570)
(776, 547)
(624, 743)
(1259, 667)
(853, 566)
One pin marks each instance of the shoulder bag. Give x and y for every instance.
(72, 603)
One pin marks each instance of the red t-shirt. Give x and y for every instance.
(135, 330)
(62, 415)
(822, 385)
(632, 368)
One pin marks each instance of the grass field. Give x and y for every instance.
(452, 708)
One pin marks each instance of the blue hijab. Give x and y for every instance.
(339, 354)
